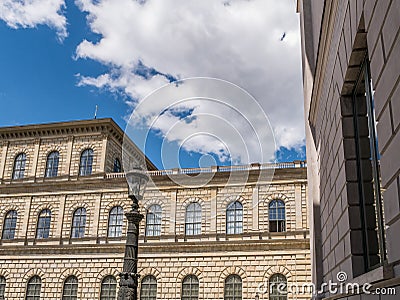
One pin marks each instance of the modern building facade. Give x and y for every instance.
(352, 102)
(63, 195)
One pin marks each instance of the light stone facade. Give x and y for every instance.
(255, 255)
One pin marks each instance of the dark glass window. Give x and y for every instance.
(115, 221)
(33, 288)
(43, 225)
(233, 288)
(78, 223)
(10, 224)
(148, 289)
(117, 166)
(86, 163)
(108, 288)
(19, 166)
(234, 218)
(70, 291)
(52, 164)
(276, 210)
(368, 177)
(153, 220)
(2, 287)
(193, 219)
(278, 287)
(190, 288)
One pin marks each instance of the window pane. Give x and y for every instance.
(153, 220)
(52, 164)
(148, 290)
(117, 166)
(108, 288)
(2, 287)
(115, 221)
(10, 224)
(190, 288)
(193, 219)
(33, 288)
(19, 166)
(234, 218)
(70, 290)
(78, 223)
(86, 163)
(43, 226)
(233, 288)
(277, 218)
(278, 287)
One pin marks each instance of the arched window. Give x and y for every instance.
(78, 223)
(108, 288)
(10, 223)
(153, 220)
(148, 289)
(277, 221)
(234, 218)
(19, 166)
(43, 224)
(115, 221)
(70, 290)
(86, 163)
(233, 288)
(2, 287)
(278, 287)
(117, 166)
(52, 164)
(33, 288)
(193, 219)
(190, 288)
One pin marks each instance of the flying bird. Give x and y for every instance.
(283, 36)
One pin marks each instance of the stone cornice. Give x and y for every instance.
(98, 182)
(159, 248)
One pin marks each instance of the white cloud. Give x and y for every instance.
(30, 13)
(238, 42)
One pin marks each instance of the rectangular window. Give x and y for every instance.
(368, 178)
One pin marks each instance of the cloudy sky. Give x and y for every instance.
(59, 59)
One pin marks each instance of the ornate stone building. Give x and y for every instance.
(62, 198)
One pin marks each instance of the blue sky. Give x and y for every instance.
(81, 55)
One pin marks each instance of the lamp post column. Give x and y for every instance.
(129, 277)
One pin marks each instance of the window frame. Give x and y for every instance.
(52, 162)
(234, 284)
(106, 286)
(19, 166)
(271, 284)
(13, 229)
(74, 228)
(43, 228)
(237, 222)
(153, 220)
(194, 281)
(3, 285)
(35, 290)
(117, 167)
(115, 222)
(70, 289)
(150, 286)
(279, 221)
(193, 223)
(86, 162)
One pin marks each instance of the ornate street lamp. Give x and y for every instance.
(137, 181)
